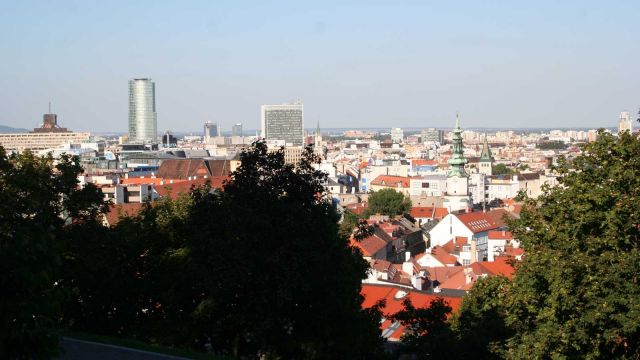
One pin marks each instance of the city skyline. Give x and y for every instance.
(355, 65)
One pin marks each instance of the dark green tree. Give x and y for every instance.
(387, 202)
(428, 332)
(133, 279)
(40, 203)
(501, 169)
(278, 279)
(480, 327)
(577, 293)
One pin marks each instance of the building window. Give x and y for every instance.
(466, 262)
(425, 185)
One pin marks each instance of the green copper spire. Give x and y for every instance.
(457, 160)
(485, 155)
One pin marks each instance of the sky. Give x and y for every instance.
(506, 64)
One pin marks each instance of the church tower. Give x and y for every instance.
(486, 160)
(457, 196)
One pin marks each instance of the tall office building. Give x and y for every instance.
(625, 123)
(283, 124)
(397, 135)
(143, 121)
(432, 135)
(211, 129)
(236, 130)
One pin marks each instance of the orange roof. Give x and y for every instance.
(427, 212)
(374, 292)
(422, 162)
(358, 208)
(391, 181)
(174, 190)
(500, 235)
(115, 212)
(501, 266)
(483, 221)
(145, 180)
(443, 256)
(369, 245)
(458, 280)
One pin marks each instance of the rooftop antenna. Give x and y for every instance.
(49, 107)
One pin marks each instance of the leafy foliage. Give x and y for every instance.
(427, 332)
(387, 202)
(280, 280)
(257, 269)
(577, 293)
(480, 327)
(39, 204)
(501, 169)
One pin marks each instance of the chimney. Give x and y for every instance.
(417, 282)
(468, 278)
(474, 250)
(407, 266)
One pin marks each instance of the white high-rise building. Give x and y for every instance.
(397, 135)
(283, 125)
(625, 123)
(143, 121)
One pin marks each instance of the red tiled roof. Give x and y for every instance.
(186, 168)
(369, 245)
(458, 280)
(174, 190)
(115, 212)
(427, 212)
(423, 162)
(444, 257)
(500, 235)
(143, 180)
(373, 293)
(391, 181)
(381, 265)
(501, 266)
(483, 221)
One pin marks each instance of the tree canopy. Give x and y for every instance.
(40, 204)
(258, 268)
(577, 293)
(387, 202)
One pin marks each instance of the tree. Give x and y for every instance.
(576, 294)
(278, 279)
(387, 202)
(501, 169)
(480, 327)
(428, 333)
(40, 203)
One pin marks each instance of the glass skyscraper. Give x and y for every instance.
(283, 124)
(143, 121)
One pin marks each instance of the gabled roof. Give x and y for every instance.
(500, 235)
(393, 296)
(424, 162)
(427, 212)
(369, 245)
(174, 190)
(501, 266)
(443, 256)
(391, 181)
(115, 212)
(483, 221)
(190, 168)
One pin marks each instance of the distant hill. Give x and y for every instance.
(8, 129)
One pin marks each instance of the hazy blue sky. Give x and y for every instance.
(353, 64)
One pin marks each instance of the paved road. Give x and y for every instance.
(83, 350)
